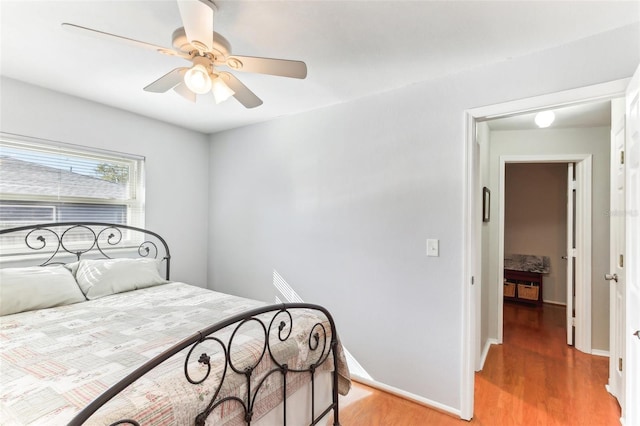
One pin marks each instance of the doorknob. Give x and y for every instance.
(564, 257)
(610, 277)
(637, 334)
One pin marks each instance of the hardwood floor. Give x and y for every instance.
(534, 378)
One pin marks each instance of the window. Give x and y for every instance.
(42, 181)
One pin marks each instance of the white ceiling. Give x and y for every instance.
(352, 48)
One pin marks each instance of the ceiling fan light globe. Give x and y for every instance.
(221, 92)
(197, 79)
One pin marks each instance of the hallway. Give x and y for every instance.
(534, 378)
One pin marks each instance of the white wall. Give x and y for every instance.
(594, 141)
(176, 162)
(535, 220)
(340, 201)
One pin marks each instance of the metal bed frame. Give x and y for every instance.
(52, 239)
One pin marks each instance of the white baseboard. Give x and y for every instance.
(553, 302)
(485, 352)
(608, 388)
(599, 352)
(407, 395)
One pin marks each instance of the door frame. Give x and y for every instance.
(583, 221)
(471, 300)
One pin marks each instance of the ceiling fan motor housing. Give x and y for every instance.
(206, 50)
(220, 51)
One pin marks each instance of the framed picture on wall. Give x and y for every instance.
(486, 204)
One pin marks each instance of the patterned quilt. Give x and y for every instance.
(53, 362)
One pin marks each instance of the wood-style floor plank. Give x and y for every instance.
(534, 378)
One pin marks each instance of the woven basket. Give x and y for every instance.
(528, 292)
(509, 289)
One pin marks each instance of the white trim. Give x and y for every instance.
(600, 352)
(554, 303)
(485, 351)
(583, 260)
(571, 251)
(500, 264)
(597, 92)
(602, 91)
(608, 388)
(469, 337)
(407, 395)
(547, 158)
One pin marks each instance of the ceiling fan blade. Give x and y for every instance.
(279, 67)
(242, 94)
(108, 36)
(197, 19)
(184, 91)
(167, 81)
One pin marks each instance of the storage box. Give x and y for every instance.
(509, 289)
(528, 292)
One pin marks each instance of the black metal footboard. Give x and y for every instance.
(277, 323)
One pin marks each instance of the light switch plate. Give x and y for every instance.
(433, 247)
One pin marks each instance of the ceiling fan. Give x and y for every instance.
(206, 50)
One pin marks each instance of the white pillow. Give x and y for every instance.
(102, 277)
(37, 287)
(73, 267)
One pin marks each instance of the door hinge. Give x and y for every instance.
(622, 260)
(573, 184)
(619, 364)
(621, 157)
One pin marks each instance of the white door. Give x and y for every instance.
(616, 275)
(632, 186)
(571, 251)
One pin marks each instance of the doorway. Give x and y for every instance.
(536, 228)
(476, 310)
(583, 253)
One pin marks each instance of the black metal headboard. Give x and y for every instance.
(56, 241)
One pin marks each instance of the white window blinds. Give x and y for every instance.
(42, 181)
